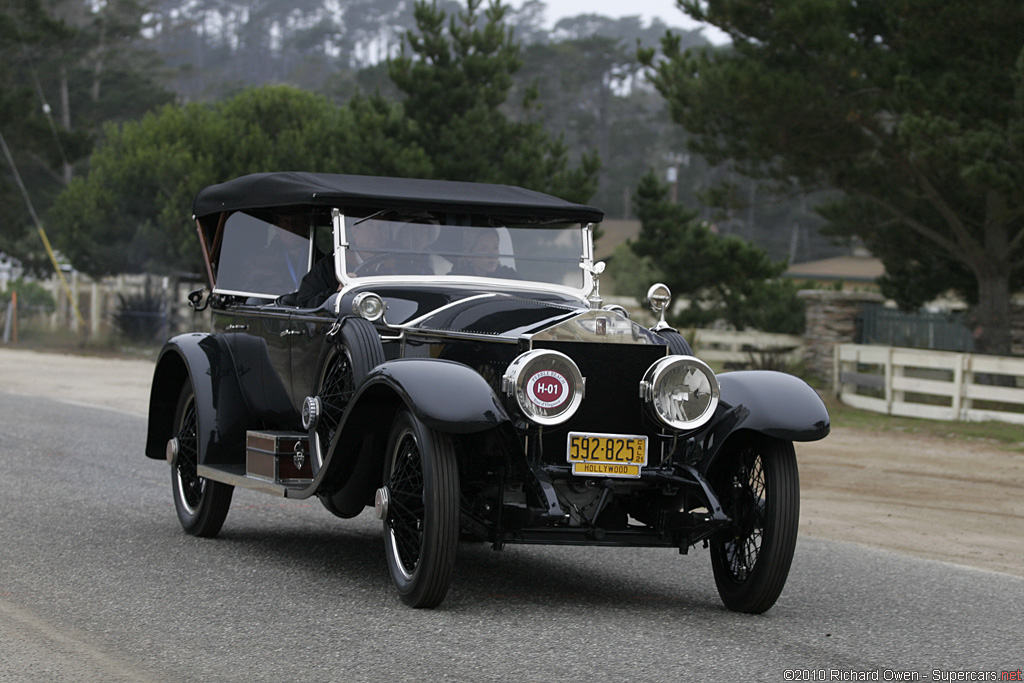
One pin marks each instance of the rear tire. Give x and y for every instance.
(759, 488)
(421, 527)
(202, 504)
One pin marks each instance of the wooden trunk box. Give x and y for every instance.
(280, 457)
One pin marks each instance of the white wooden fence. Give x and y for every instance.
(726, 348)
(98, 301)
(937, 385)
(731, 348)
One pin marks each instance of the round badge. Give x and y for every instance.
(548, 389)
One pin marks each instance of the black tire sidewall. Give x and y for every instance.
(677, 343)
(429, 581)
(210, 513)
(778, 542)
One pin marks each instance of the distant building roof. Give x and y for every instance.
(851, 268)
(858, 267)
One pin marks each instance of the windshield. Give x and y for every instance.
(549, 254)
(261, 258)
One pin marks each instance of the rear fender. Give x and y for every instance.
(221, 413)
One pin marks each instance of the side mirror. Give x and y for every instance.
(195, 299)
(659, 296)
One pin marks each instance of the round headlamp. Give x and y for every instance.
(680, 391)
(368, 305)
(546, 386)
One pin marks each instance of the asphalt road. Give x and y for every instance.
(98, 583)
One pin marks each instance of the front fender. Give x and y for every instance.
(774, 403)
(445, 395)
(221, 413)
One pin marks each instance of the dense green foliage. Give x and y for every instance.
(454, 84)
(914, 109)
(131, 212)
(584, 70)
(546, 100)
(721, 277)
(66, 68)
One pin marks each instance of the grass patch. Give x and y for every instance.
(1001, 434)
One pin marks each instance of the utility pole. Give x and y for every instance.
(39, 228)
(674, 159)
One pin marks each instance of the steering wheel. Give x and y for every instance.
(373, 265)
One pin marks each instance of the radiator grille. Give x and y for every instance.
(612, 403)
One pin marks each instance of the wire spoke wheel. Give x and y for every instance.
(202, 505)
(422, 522)
(749, 504)
(337, 385)
(342, 369)
(190, 486)
(407, 509)
(758, 485)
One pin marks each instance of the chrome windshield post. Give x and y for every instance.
(340, 244)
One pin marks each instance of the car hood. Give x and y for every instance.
(544, 322)
(494, 314)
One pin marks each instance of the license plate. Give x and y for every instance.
(606, 455)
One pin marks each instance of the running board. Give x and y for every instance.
(275, 463)
(236, 476)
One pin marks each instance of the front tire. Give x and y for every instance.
(342, 370)
(759, 487)
(421, 522)
(676, 343)
(202, 504)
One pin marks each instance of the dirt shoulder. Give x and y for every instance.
(945, 499)
(117, 383)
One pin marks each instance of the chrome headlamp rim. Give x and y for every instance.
(652, 386)
(533, 366)
(368, 305)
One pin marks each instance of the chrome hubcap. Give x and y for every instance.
(311, 412)
(381, 503)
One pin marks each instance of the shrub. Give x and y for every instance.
(32, 298)
(141, 317)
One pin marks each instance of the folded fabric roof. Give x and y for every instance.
(295, 188)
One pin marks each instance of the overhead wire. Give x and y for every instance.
(21, 185)
(39, 227)
(45, 106)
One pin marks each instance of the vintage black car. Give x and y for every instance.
(440, 351)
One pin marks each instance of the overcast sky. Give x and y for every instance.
(666, 10)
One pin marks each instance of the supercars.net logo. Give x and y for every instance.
(897, 675)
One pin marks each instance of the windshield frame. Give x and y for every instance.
(586, 262)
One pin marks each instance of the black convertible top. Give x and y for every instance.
(294, 188)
